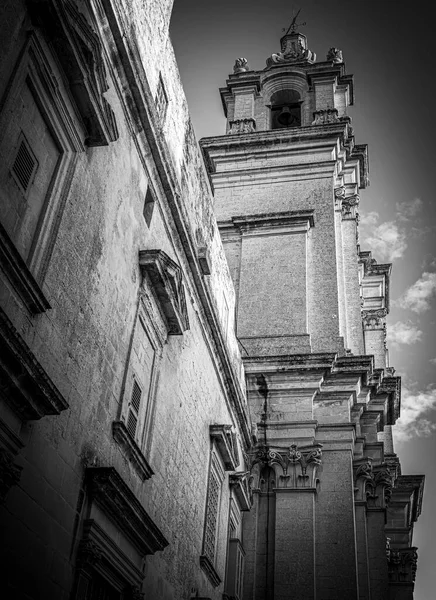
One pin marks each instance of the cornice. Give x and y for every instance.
(21, 279)
(25, 385)
(107, 489)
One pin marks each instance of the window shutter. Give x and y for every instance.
(25, 165)
(133, 415)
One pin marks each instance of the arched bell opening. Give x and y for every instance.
(285, 109)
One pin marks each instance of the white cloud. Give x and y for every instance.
(407, 210)
(416, 408)
(403, 333)
(369, 219)
(387, 241)
(433, 361)
(417, 297)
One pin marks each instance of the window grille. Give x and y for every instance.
(135, 403)
(25, 165)
(211, 516)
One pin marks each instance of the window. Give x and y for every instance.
(285, 109)
(40, 140)
(134, 406)
(208, 557)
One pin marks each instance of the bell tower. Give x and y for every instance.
(311, 309)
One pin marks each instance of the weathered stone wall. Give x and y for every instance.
(92, 282)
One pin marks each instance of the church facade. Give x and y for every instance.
(195, 394)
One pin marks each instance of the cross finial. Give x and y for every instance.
(293, 26)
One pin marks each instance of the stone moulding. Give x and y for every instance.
(109, 491)
(20, 277)
(131, 450)
(98, 551)
(210, 571)
(225, 441)
(204, 260)
(10, 473)
(166, 281)
(239, 484)
(25, 385)
(79, 51)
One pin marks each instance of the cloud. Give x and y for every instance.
(417, 297)
(401, 333)
(433, 361)
(416, 408)
(387, 240)
(407, 210)
(369, 219)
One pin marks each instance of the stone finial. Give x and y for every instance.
(335, 55)
(241, 65)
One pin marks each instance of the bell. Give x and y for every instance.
(285, 117)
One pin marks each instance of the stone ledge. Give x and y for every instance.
(20, 277)
(24, 383)
(131, 450)
(109, 491)
(209, 569)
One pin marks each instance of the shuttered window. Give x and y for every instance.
(133, 414)
(25, 165)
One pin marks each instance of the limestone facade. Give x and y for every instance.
(195, 394)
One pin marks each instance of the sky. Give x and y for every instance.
(388, 50)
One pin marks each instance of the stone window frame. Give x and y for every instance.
(37, 68)
(137, 448)
(111, 507)
(216, 478)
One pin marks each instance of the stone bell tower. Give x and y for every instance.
(311, 308)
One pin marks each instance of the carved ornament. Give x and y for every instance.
(242, 126)
(293, 48)
(349, 207)
(10, 473)
(294, 467)
(241, 65)
(373, 485)
(402, 564)
(335, 55)
(325, 116)
(88, 554)
(374, 319)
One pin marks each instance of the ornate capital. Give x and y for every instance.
(372, 484)
(242, 126)
(374, 319)
(9, 473)
(402, 564)
(294, 467)
(325, 116)
(349, 207)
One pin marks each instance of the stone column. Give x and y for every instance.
(374, 328)
(351, 275)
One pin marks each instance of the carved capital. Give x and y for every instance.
(242, 126)
(374, 319)
(372, 485)
(9, 473)
(402, 564)
(349, 207)
(295, 467)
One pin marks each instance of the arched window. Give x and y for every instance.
(285, 109)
